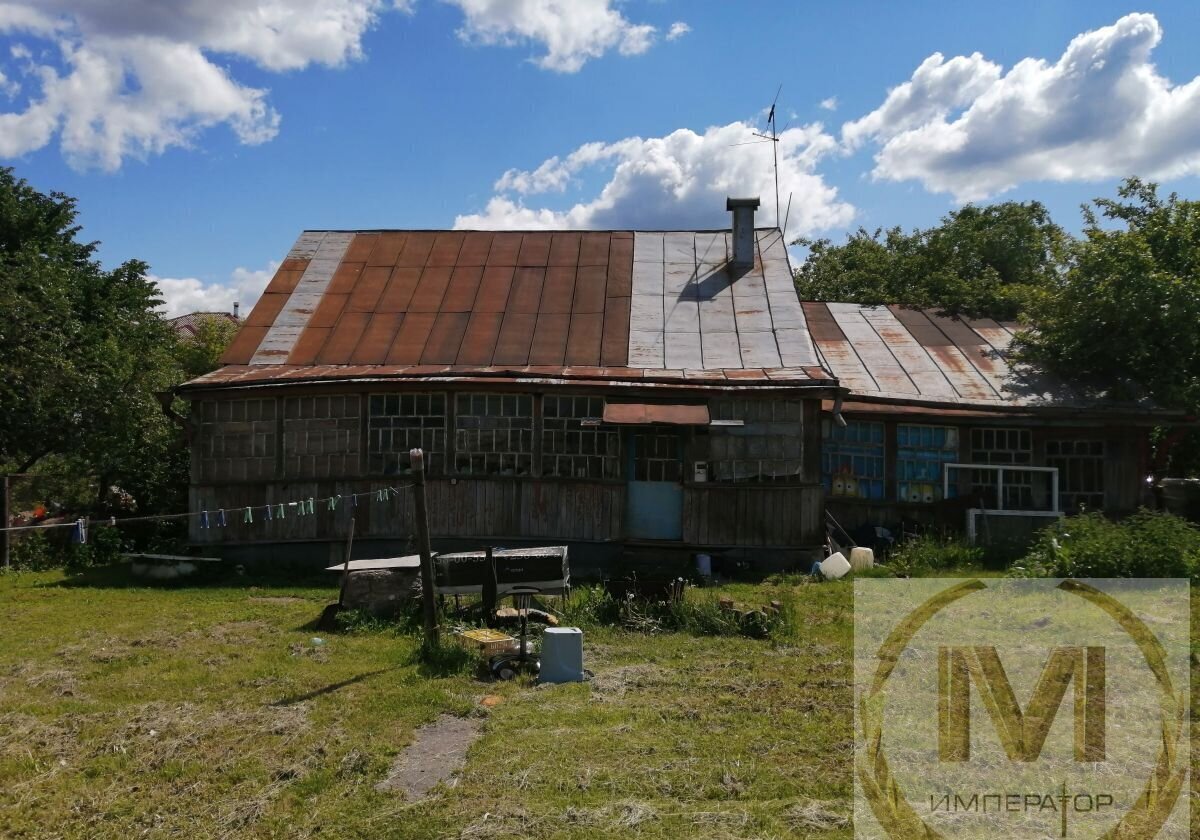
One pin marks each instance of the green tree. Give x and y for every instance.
(993, 261)
(83, 353)
(200, 353)
(1124, 320)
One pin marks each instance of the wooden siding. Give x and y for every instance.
(753, 516)
(566, 510)
(713, 515)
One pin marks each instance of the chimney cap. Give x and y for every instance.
(732, 203)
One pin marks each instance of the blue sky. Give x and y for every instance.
(203, 138)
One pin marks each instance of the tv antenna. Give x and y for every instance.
(774, 138)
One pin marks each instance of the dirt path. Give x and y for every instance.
(437, 751)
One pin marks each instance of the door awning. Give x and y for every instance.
(637, 414)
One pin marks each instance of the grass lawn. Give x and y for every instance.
(208, 711)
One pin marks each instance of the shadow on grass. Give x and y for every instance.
(208, 575)
(329, 689)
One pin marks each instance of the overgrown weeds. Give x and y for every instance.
(698, 613)
(1146, 544)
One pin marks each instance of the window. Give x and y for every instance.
(397, 423)
(920, 453)
(656, 456)
(767, 447)
(320, 436)
(237, 439)
(493, 434)
(573, 450)
(852, 463)
(1080, 472)
(1004, 446)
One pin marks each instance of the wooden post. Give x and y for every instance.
(416, 460)
(4, 521)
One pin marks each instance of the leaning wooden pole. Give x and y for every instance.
(416, 460)
(5, 521)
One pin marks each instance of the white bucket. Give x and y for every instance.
(704, 565)
(861, 558)
(835, 566)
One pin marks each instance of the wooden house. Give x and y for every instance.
(939, 427)
(613, 390)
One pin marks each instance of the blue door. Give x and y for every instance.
(655, 497)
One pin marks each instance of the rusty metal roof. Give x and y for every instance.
(675, 414)
(619, 307)
(919, 358)
(656, 304)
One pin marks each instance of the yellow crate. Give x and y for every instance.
(489, 642)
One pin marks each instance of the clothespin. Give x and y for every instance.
(203, 519)
(310, 506)
(282, 511)
(221, 518)
(379, 495)
(248, 516)
(299, 508)
(354, 500)
(333, 502)
(112, 521)
(79, 532)
(268, 513)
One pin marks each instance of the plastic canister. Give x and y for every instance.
(835, 566)
(562, 655)
(861, 558)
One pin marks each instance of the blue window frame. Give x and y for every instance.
(852, 460)
(920, 453)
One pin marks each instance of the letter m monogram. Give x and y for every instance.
(1022, 733)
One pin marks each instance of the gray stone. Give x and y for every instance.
(382, 592)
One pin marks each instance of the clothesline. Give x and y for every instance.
(271, 511)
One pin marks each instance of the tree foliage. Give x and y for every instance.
(83, 354)
(993, 261)
(1125, 317)
(201, 353)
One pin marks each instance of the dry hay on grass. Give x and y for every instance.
(155, 733)
(154, 736)
(612, 684)
(814, 815)
(437, 751)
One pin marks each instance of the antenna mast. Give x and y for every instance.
(774, 138)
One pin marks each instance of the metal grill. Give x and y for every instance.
(493, 434)
(320, 436)
(1003, 447)
(397, 423)
(572, 450)
(237, 439)
(768, 446)
(1080, 466)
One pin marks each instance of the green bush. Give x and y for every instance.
(589, 606)
(933, 553)
(1146, 544)
(33, 552)
(52, 549)
(698, 613)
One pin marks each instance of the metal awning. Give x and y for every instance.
(637, 414)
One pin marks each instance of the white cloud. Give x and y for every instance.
(182, 295)
(139, 76)
(571, 31)
(829, 104)
(678, 30)
(678, 181)
(1100, 111)
(136, 77)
